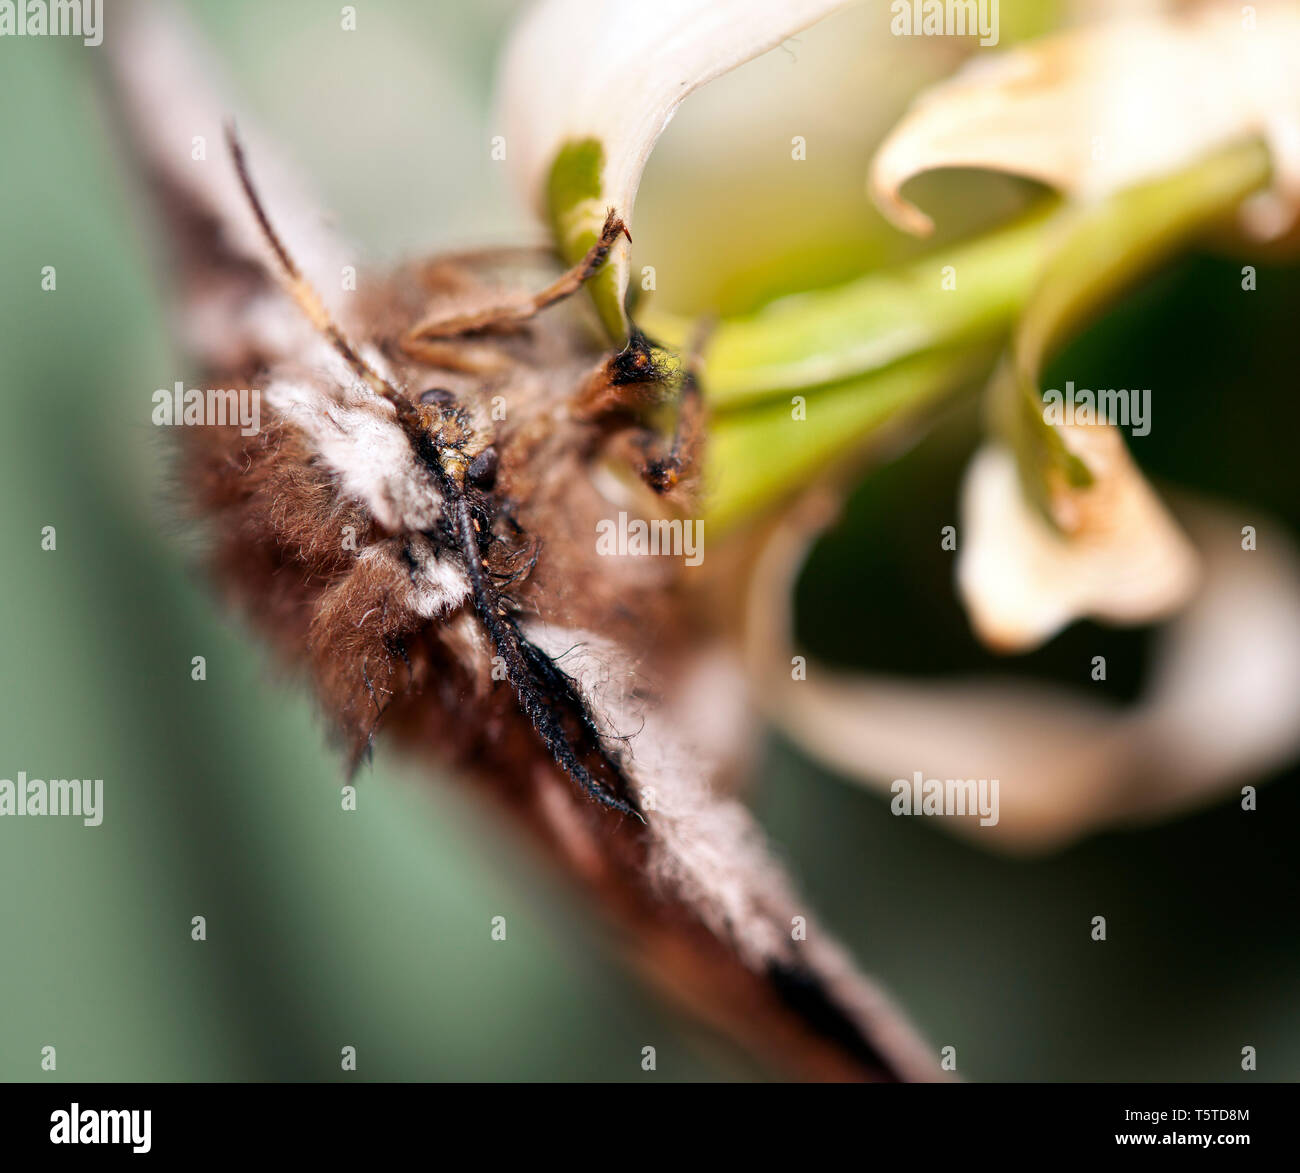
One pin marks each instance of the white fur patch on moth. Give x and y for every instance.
(706, 850)
(433, 586)
(356, 434)
(222, 324)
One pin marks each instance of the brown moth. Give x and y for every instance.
(414, 525)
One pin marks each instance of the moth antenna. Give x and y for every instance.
(514, 649)
(512, 313)
(302, 291)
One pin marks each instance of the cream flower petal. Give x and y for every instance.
(1222, 707)
(610, 74)
(1118, 555)
(1060, 524)
(1103, 107)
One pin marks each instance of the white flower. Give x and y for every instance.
(1222, 705)
(611, 73)
(1100, 108)
(1120, 557)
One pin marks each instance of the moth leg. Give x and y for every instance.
(633, 380)
(629, 381)
(467, 358)
(665, 471)
(512, 313)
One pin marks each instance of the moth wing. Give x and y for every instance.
(173, 107)
(715, 920)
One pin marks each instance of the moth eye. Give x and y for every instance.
(439, 395)
(482, 469)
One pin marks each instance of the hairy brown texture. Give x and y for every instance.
(278, 517)
(516, 440)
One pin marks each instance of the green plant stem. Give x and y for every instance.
(889, 346)
(968, 293)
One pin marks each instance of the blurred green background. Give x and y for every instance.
(371, 929)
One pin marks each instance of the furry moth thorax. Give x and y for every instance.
(404, 491)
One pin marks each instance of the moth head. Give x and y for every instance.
(404, 455)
